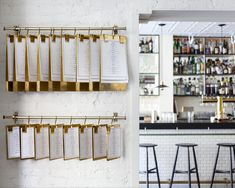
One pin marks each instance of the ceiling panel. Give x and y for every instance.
(188, 28)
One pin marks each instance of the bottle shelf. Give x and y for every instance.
(187, 95)
(201, 74)
(186, 55)
(219, 55)
(233, 74)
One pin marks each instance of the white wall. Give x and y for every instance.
(118, 173)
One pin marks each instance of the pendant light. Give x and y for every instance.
(162, 85)
(221, 32)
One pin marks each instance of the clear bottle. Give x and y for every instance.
(201, 47)
(198, 66)
(216, 49)
(193, 87)
(196, 48)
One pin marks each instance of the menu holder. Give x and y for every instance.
(10, 52)
(94, 63)
(13, 141)
(114, 71)
(99, 133)
(20, 64)
(32, 63)
(71, 142)
(85, 142)
(113, 142)
(27, 146)
(69, 63)
(83, 63)
(41, 142)
(56, 142)
(55, 67)
(44, 62)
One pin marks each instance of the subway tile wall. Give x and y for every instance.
(205, 153)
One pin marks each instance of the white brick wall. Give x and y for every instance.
(205, 152)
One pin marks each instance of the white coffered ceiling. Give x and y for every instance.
(188, 28)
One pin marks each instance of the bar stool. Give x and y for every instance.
(230, 146)
(190, 170)
(155, 169)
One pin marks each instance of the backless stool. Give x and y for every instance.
(231, 147)
(152, 170)
(190, 170)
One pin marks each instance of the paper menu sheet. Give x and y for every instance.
(71, 143)
(20, 59)
(44, 59)
(113, 62)
(114, 143)
(55, 57)
(83, 67)
(95, 60)
(69, 59)
(27, 143)
(99, 142)
(13, 142)
(56, 143)
(85, 143)
(42, 143)
(32, 49)
(10, 58)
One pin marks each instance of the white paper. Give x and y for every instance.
(83, 71)
(20, 48)
(85, 144)
(13, 143)
(44, 59)
(32, 48)
(95, 60)
(99, 143)
(27, 143)
(113, 62)
(55, 49)
(10, 56)
(56, 143)
(69, 59)
(114, 143)
(42, 143)
(71, 143)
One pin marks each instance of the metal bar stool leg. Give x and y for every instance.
(216, 160)
(155, 158)
(173, 173)
(231, 166)
(189, 170)
(147, 167)
(195, 162)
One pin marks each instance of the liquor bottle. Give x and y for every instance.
(212, 47)
(219, 87)
(193, 88)
(201, 86)
(175, 87)
(230, 69)
(212, 86)
(207, 87)
(146, 44)
(216, 49)
(188, 87)
(142, 45)
(207, 48)
(213, 70)
(226, 86)
(225, 70)
(197, 87)
(196, 48)
(176, 67)
(182, 87)
(222, 87)
(180, 47)
(230, 86)
(216, 87)
(201, 48)
(188, 47)
(190, 66)
(225, 48)
(175, 47)
(208, 67)
(194, 66)
(192, 50)
(185, 67)
(198, 66)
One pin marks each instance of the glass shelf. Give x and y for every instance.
(185, 55)
(187, 95)
(233, 74)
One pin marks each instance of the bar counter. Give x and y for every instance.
(197, 124)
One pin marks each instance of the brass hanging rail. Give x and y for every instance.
(18, 28)
(115, 117)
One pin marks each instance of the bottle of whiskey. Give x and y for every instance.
(216, 49)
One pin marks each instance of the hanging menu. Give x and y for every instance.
(83, 59)
(27, 142)
(113, 60)
(85, 143)
(13, 142)
(71, 145)
(32, 49)
(94, 59)
(10, 58)
(44, 57)
(69, 59)
(114, 142)
(56, 142)
(99, 142)
(20, 58)
(41, 142)
(55, 57)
